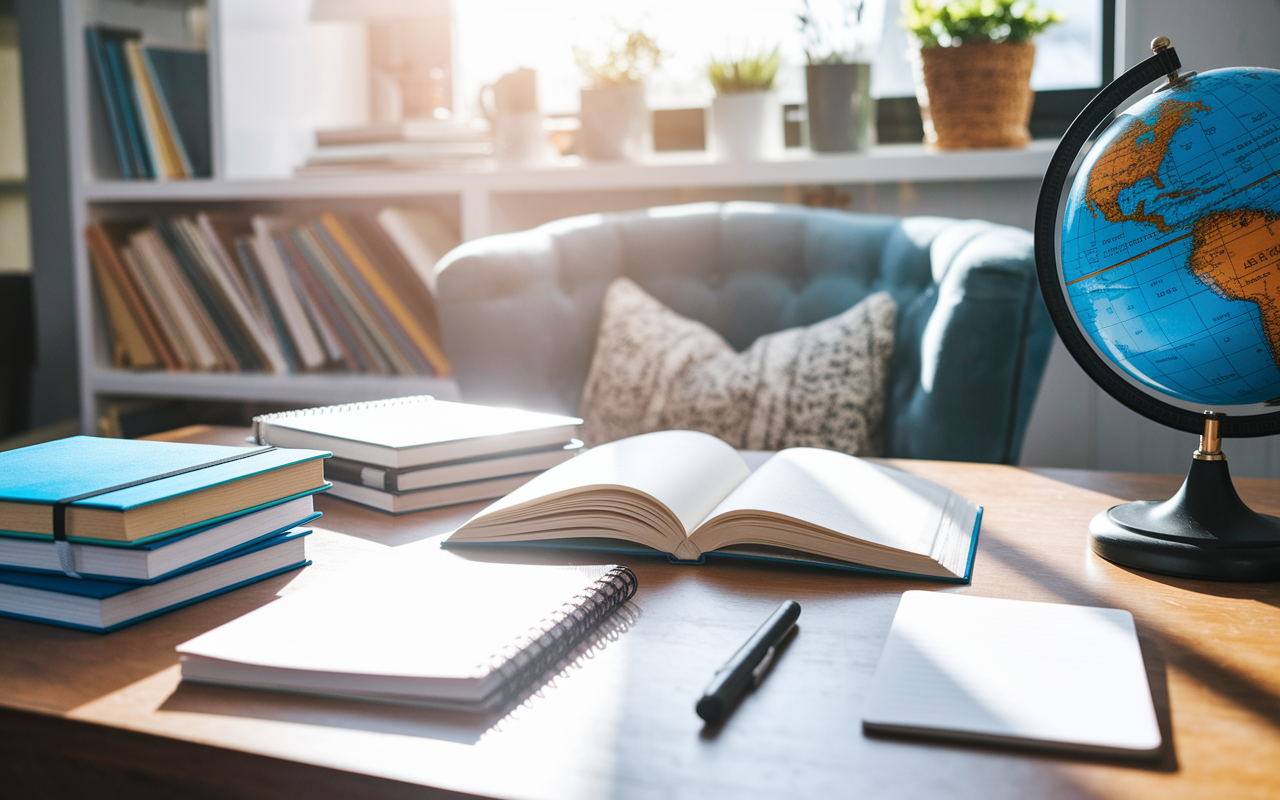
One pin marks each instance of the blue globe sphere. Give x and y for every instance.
(1171, 240)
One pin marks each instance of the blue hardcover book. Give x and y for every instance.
(104, 606)
(168, 488)
(110, 100)
(112, 42)
(693, 497)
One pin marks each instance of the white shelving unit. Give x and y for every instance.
(468, 196)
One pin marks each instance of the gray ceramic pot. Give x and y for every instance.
(616, 125)
(842, 113)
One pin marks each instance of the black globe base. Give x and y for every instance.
(1203, 531)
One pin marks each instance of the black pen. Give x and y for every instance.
(749, 665)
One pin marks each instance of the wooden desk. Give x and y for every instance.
(89, 715)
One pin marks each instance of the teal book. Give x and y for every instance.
(171, 487)
(103, 606)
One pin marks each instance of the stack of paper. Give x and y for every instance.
(411, 453)
(150, 526)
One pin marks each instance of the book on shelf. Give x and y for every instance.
(692, 496)
(234, 292)
(157, 560)
(421, 237)
(483, 633)
(407, 432)
(103, 606)
(424, 129)
(156, 104)
(136, 491)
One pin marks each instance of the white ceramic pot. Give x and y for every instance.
(746, 126)
(616, 124)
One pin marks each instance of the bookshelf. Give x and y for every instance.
(477, 201)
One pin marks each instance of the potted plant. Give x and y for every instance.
(746, 118)
(615, 121)
(973, 69)
(841, 115)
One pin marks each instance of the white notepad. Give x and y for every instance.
(1013, 672)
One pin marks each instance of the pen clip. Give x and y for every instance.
(762, 668)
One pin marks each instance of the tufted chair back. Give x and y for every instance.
(520, 311)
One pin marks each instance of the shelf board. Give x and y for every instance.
(314, 389)
(885, 164)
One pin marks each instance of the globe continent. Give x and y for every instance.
(1171, 240)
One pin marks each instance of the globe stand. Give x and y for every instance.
(1203, 531)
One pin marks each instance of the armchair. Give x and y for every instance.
(520, 311)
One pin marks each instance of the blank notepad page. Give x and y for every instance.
(1035, 674)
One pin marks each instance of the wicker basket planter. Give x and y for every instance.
(976, 95)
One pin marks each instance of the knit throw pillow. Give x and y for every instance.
(820, 386)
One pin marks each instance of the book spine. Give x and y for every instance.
(398, 339)
(403, 273)
(251, 318)
(128, 103)
(249, 263)
(288, 300)
(301, 281)
(341, 336)
(129, 345)
(202, 337)
(420, 340)
(166, 316)
(101, 249)
(165, 114)
(527, 659)
(183, 254)
(340, 311)
(115, 119)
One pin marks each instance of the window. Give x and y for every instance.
(497, 36)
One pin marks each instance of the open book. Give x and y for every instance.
(689, 494)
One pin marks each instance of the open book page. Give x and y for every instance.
(686, 472)
(833, 492)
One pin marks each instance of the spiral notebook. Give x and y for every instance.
(415, 627)
(405, 432)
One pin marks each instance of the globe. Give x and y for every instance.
(1159, 261)
(1170, 241)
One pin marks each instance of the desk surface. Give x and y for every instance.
(82, 712)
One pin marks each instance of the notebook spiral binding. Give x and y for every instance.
(260, 422)
(551, 640)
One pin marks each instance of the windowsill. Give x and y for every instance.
(882, 164)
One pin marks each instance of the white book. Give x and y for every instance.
(469, 469)
(153, 561)
(691, 495)
(1014, 672)
(414, 431)
(435, 497)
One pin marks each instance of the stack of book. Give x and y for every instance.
(238, 293)
(408, 144)
(101, 533)
(412, 453)
(156, 103)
